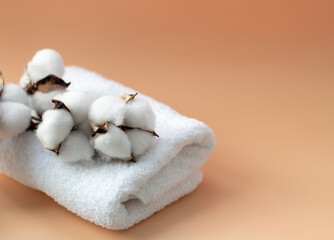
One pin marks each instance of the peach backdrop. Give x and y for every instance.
(260, 73)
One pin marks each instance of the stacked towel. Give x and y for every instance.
(115, 194)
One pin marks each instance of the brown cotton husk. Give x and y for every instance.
(100, 129)
(123, 127)
(133, 159)
(34, 122)
(59, 105)
(47, 84)
(56, 150)
(104, 128)
(33, 125)
(128, 97)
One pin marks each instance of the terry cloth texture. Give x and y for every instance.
(115, 194)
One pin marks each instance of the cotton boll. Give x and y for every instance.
(14, 119)
(107, 109)
(76, 147)
(14, 93)
(55, 127)
(139, 114)
(44, 63)
(140, 141)
(43, 101)
(114, 143)
(78, 103)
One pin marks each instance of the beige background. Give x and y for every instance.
(260, 73)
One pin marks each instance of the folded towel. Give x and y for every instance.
(115, 194)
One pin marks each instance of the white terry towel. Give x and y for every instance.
(115, 194)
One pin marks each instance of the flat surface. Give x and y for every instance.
(259, 73)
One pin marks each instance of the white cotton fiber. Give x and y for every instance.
(139, 114)
(44, 63)
(14, 119)
(76, 147)
(24, 80)
(55, 127)
(140, 141)
(107, 109)
(13, 93)
(114, 143)
(78, 103)
(43, 101)
(85, 128)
